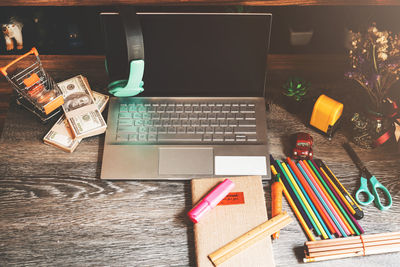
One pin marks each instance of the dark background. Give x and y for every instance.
(50, 33)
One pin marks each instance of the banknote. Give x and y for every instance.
(60, 134)
(82, 114)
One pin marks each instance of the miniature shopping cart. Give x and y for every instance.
(35, 88)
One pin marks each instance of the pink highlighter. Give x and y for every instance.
(210, 200)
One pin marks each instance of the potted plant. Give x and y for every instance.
(294, 95)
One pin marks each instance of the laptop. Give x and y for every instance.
(202, 113)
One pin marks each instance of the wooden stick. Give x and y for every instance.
(352, 246)
(360, 248)
(353, 239)
(251, 237)
(355, 254)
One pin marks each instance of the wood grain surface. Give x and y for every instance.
(54, 210)
(199, 2)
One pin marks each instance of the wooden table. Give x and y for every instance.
(54, 209)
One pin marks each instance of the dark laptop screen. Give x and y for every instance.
(205, 54)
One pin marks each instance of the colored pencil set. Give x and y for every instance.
(320, 202)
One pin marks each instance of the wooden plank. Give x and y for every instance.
(200, 2)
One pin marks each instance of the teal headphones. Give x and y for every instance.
(115, 60)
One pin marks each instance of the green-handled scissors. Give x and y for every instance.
(366, 177)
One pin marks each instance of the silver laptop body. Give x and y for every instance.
(203, 111)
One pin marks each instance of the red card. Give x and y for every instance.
(233, 198)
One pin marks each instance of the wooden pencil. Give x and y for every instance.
(352, 246)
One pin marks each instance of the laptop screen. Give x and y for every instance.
(205, 54)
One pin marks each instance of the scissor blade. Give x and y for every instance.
(354, 157)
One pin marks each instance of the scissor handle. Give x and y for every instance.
(377, 185)
(364, 189)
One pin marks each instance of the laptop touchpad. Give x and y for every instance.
(186, 160)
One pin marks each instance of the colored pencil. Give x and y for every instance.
(292, 195)
(324, 231)
(285, 176)
(327, 219)
(344, 195)
(296, 187)
(339, 209)
(337, 226)
(296, 211)
(358, 229)
(326, 198)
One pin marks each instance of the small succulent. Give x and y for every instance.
(297, 88)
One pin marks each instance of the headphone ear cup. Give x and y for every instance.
(116, 86)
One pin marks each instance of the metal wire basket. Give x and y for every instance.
(36, 90)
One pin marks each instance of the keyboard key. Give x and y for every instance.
(239, 116)
(139, 123)
(197, 109)
(209, 130)
(161, 109)
(125, 115)
(152, 129)
(151, 109)
(174, 116)
(148, 123)
(226, 109)
(193, 116)
(218, 137)
(190, 130)
(152, 137)
(141, 109)
(123, 108)
(207, 109)
(122, 137)
(230, 116)
(184, 116)
(244, 130)
(235, 109)
(127, 129)
(170, 109)
(223, 123)
(195, 123)
(247, 109)
(181, 130)
(176, 123)
(202, 116)
(251, 116)
(252, 138)
(179, 137)
(162, 130)
(232, 123)
(137, 115)
(142, 137)
(219, 130)
(204, 123)
(247, 123)
(133, 137)
(228, 130)
(179, 109)
(229, 138)
(142, 129)
(212, 116)
(216, 110)
(214, 123)
(132, 108)
(146, 116)
(221, 116)
(165, 116)
(200, 130)
(171, 130)
(188, 109)
(157, 123)
(207, 137)
(125, 122)
(155, 116)
(166, 123)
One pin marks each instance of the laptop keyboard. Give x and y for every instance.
(186, 122)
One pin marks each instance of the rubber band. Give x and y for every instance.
(363, 243)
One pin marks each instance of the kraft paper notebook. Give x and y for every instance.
(224, 223)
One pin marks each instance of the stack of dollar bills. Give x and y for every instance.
(82, 115)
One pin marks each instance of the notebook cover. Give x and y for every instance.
(224, 223)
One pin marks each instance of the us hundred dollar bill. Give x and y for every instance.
(82, 114)
(60, 134)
